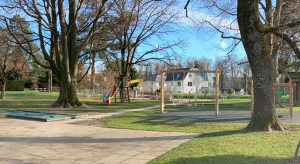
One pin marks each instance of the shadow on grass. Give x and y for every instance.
(221, 133)
(189, 124)
(224, 159)
(165, 122)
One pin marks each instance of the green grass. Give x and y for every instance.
(27, 97)
(223, 143)
(38, 101)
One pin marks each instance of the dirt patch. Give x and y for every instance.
(92, 122)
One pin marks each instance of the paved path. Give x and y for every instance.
(224, 116)
(32, 142)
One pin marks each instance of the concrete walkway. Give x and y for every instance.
(32, 142)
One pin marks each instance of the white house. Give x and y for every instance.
(151, 84)
(184, 82)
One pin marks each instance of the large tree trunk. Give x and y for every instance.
(259, 55)
(68, 95)
(3, 89)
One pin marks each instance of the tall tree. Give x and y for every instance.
(204, 63)
(222, 65)
(133, 23)
(256, 22)
(57, 27)
(12, 60)
(255, 37)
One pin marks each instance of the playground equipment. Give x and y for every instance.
(139, 81)
(197, 82)
(190, 71)
(281, 97)
(290, 86)
(111, 94)
(196, 93)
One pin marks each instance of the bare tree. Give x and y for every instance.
(234, 70)
(204, 63)
(12, 60)
(259, 24)
(57, 27)
(133, 23)
(222, 65)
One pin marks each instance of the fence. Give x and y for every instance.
(28, 97)
(13, 98)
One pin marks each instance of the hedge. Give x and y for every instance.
(14, 85)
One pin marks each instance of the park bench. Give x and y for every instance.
(41, 89)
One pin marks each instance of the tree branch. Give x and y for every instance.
(226, 37)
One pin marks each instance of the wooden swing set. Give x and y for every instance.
(162, 104)
(290, 85)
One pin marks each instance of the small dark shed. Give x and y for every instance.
(295, 76)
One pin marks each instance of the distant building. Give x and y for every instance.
(151, 84)
(184, 82)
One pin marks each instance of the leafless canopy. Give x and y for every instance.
(53, 24)
(134, 23)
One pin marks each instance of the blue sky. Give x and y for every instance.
(205, 42)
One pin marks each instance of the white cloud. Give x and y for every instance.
(222, 44)
(222, 54)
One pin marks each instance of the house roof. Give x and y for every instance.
(177, 76)
(181, 75)
(154, 78)
(292, 75)
(206, 77)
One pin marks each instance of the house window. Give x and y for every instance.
(190, 84)
(178, 83)
(209, 84)
(190, 75)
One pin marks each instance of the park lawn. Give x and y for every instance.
(224, 143)
(96, 105)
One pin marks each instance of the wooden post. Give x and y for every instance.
(128, 94)
(217, 93)
(291, 97)
(162, 91)
(251, 92)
